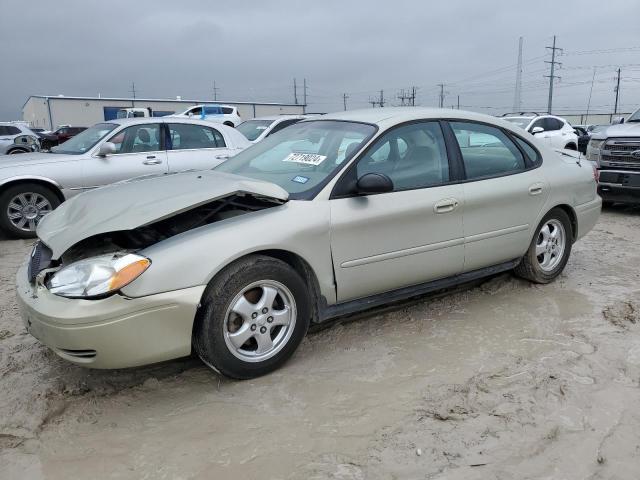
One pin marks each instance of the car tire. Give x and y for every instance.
(41, 195)
(549, 250)
(243, 329)
(16, 151)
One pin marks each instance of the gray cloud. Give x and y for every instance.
(254, 49)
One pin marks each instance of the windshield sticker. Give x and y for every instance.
(261, 128)
(300, 179)
(306, 158)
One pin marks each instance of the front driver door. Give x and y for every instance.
(405, 237)
(139, 151)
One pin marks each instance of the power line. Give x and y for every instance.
(551, 75)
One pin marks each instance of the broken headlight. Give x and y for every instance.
(97, 276)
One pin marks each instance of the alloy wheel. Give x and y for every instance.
(26, 209)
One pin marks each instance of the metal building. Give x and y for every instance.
(51, 111)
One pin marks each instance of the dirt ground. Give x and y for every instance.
(505, 380)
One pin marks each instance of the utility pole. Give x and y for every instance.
(373, 102)
(215, 92)
(381, 101)
(304, 95)
(617, 90)
(402, 97)
(551, 75)
(590, 92)
(344, 100)
(517, 98)
(412, 98)
(295, 92)
(458, 102)
(133, 94)
(441, 104)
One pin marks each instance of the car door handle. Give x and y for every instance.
(222, 157)
(152, 160)
(536, 189)
(445, 206)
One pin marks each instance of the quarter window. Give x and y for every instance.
(412, 156)
(486, 151)
(137, 138)
(529, 151)
(185, 136)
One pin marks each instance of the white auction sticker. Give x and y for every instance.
(306, 158)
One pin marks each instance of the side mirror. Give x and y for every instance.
(617, 120)
(107, 148)
(535, 130)
(374, 183)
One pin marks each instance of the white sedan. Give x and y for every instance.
(258, 129)
(31, 185)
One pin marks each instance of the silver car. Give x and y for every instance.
(32, 185)
(325, 218)
(16, 138)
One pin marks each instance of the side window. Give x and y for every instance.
(185, 136)
(529, 151)
(283, 124)
(552, 124)
(195, 111)
(486, 151)
(538, 123)
(9, 130)
(412, 156)
(3, 130)
(213, 110)
(137, 138)
(227, 110)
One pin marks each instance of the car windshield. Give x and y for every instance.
(85, 140)
(302, 156)
(522, 122)
(252, 129)
(635, 116)
(598, 128)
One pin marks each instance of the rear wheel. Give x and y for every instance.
(253, 316)
(23, 206)
(16, 151)
(549, 250)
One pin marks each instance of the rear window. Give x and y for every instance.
(252, 129)
(9, 130)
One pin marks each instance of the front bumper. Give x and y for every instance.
(619, 186)
(114, 332)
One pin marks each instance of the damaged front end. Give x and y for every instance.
(110, 225)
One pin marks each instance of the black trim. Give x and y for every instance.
(328, 312)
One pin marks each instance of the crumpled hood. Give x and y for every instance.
(631, 129)
(138, 202)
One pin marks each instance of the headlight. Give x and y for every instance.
(596, 143)
(97, 276)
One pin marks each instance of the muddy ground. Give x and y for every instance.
(503, 380)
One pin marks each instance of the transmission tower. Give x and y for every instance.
(552, 75)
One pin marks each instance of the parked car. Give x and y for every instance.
(585, 136)
(225, 114)
(260, 128)
(33, 185)
(17, 138)
(329, 217)
(554, 131)
(616, 151)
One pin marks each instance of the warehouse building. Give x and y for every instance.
(49, 112)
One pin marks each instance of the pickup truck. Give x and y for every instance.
(616, 152)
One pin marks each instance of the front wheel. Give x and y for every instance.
(253, 316)
(549, 250)
(22, 207)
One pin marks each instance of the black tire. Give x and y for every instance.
(208, 334)
(16, 151)
(529, 268)
(10, 193)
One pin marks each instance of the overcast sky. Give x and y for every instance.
(253, 50)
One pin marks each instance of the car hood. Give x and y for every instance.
(631, 129)
(139, 202)
(10, 161)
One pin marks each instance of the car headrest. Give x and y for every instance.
(143, 135)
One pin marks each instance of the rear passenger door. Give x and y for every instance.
(195, 147)
(504, 192)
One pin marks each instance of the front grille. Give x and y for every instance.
(40, 259)
(621, 152)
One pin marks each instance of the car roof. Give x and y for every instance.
(279, 117)
(167, 119)
(389, 116)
